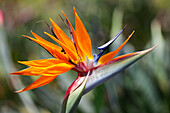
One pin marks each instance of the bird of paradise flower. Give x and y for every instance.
(75, 53)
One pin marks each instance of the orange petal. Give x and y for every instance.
(53, 49)
(43, 62)
(46, 42)
(107, 57)
(83, 39)
(55, 69)
(63, 37)
(80, 53)
(72, 55)
(43, 80)
(28, 71)
(123, 56)
(50, 70)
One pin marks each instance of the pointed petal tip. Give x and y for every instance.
(19, 91)
(74, 8)
(14, 73)
(132, 33)
(20, 62)
(125, 26)
(45, 32)
(11, 74)
(27, 37)
(148, 50)
(153, 47)
(34, 34)
(23, 62)
(64, 15)
(51, 20)
(62, 11)
(24, 36)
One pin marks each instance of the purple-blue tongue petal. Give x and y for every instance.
(105, 46)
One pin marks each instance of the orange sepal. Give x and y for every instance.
(53, 49)
(28, 71)
(51, 69)
(63, 37)
(80, 53)
(72, 55)
(123, 56)
(43, 80)
(46, 42)
(83, 38)
(56, 69)
(43, 62)
(107, 57)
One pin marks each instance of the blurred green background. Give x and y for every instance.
(142, 88)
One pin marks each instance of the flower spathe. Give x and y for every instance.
(72, 54)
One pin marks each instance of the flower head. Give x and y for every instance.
(75, 53)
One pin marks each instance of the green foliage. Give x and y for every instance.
(142, 88)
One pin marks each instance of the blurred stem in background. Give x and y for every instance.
(143, 88)
(7, 66)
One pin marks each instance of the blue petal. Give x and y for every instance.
(103, 47)
(96, 57)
